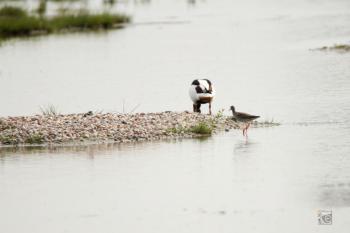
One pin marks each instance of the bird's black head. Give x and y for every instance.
(232, 108)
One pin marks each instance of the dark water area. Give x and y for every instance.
(258, 56)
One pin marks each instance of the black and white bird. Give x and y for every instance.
(243, 118)
(201, 92)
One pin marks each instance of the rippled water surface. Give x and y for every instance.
(257, 53)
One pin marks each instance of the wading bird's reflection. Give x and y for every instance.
(245, 147)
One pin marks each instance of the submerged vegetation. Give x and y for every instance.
(336, 47)
(15, 21)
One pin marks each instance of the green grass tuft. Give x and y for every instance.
(35, 139)
(336, 47)
(16, 22)
(41, 10)
(8, 140)
(202, 128)
(85, 21)
(23, 26)
(12, 12)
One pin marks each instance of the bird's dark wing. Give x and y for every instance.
(246, 116)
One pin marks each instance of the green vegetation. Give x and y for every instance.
(42, 8)
(205, 127)
(336, 47)
(85, 21)
(8, 140)
(64, 0)
(35, 139)
(49, 110)
(202, 128)
(10, 11)
(16, 22)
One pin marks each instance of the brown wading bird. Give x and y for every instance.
(201, 92)
(242, 117)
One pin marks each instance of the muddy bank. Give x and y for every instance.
(103, 127)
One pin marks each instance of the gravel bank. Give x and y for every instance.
(90, 127)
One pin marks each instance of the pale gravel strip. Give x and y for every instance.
(106, 127)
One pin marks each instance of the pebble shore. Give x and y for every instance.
(102, 127)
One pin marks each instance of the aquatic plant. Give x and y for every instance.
(15, 21)
(86, 21)
(35, 139)
(42, 8)
(202, 128)
(336, 47)
(8, 140)
(64, 0)
(23, 26)
(11, 11)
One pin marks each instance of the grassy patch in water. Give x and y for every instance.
(8, 140)
(204, 128)
(35, 139)
(85, 21)
(10, 11)
(336, 47)
(16, 22)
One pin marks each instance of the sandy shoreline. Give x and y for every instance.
(106, 127)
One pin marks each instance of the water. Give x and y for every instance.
(258, 56)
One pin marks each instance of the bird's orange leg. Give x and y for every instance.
(246, 130)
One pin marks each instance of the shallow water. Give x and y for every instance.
(258, 56)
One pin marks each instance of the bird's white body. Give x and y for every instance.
(204, 85)
(201, 92)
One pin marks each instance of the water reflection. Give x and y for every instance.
(93, 149)
(245, 146)
(335, 195)
(191, 2)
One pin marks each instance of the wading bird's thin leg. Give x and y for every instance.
(246, 130)
(209, 108)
